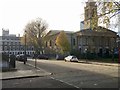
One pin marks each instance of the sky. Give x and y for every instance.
(59, 14)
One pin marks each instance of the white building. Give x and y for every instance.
(10, 43)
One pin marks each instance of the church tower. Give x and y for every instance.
(90, 15)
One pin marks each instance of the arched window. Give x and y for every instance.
(50, 43)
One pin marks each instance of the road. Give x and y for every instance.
(69, 75)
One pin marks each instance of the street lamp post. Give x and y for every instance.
(118, 45)
(25, 49)
(86, 52)
(8, 47)
(71, 42)
(38, 36)
(35, 60)
(39, 39)
(119, 51)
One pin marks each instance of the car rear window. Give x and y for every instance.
(74, 57)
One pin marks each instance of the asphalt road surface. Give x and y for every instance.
(37, 82)
(68, 75)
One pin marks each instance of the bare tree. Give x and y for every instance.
(35, 32)
(105, 12)
(108, 10)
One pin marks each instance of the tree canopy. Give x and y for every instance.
(108, 10)
(105, 11)
(35, 32)
(62, 42)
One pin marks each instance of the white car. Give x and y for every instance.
(71, 58)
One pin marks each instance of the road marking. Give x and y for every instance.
(64, 82)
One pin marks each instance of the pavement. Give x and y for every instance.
(23, 71)
(27, 70)
(99, 63)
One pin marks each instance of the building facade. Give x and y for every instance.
(50, 42)
(100, 41)
(97, 39)
(11, 44)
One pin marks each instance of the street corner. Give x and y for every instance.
(24, 71)
(23, 74)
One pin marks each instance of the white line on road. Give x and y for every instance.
(65, 82)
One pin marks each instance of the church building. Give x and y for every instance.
(91, 38)
(95, 39)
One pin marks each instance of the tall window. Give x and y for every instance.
(7, 43)
(86, 39)
(46, 44)
(74, 41)
(50, 43)
(15, 43)
(3, 43)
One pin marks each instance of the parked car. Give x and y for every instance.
(17, 57)
(59, 57)
(71, 58)
(34, 56)
(42, 56)
(21, 57)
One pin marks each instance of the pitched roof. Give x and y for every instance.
(99, 31)
(53, 32)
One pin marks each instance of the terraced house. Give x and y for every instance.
(11, 44)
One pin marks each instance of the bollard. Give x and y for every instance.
(25, 59)
(12, 61)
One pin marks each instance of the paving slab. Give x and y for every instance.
(23, 71)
